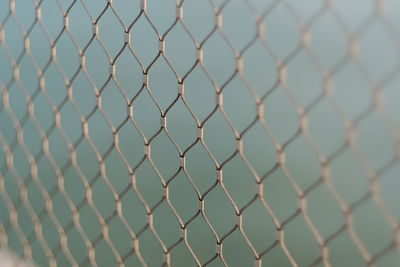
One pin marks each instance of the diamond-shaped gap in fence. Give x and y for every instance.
(166, 224)
(215, 128)
(14, 38)
(324, 211)
(25, 13)
(80, 25)
(17, 100)
(280, 195)
(375, 153)
(239, 181)
(8, 132)
(371, 227)
(32, 138)
(181, 255)
(131, 143)
(180, 50)
(180, 188)
(58, 148)
(21, 162)
(200, 168)
(119, 236)
(163, 83)
(236, 251)
(110, 33)
(378, 51)
(181, 125)
(302, 162)
(35, 198)
(304, 79)
(83, 95)
(149, 184)
(328, 42)
(67, 55)
(161, 14)
(97, 64)
(239, 25)
(76, 245)
(6, 73)
(71, 122)
(116, 171)
(54, 88)
(355, 14)
(259, 68)
(89, 222)
(199, 24)
(258, 226)
(258, 149)
(199, 93)
(144, 41)
(25, 220)
(102, 196)
(325, 127)
(219, 211)
(277, 255)
(300, 241)
(103, 254)
(219, 60)
(114, 104)
(28, 75)
(133, 210)
(388, 185)
(126, 11)
(348, 82)
(238, 103)
(150, 248)
(201, 238)
(146, 113)
(342, 250)
(347, 177)
(73, 185)
(100, 133)
(46, 173)
(11, 186)
(50, 232)
(283, 33)
(87, 160)
(280, 115)
(52, 18)
(128, 73)
(165, 155)
(61, 210)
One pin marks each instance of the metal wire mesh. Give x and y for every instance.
(200, 133)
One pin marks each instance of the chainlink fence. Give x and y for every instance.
(200, 132)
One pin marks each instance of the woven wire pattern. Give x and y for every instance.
(134, 139)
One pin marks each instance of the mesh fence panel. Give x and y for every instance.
(194, 133)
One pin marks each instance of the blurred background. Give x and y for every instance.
(332, 63)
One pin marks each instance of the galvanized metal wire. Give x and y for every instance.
(44, 175)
